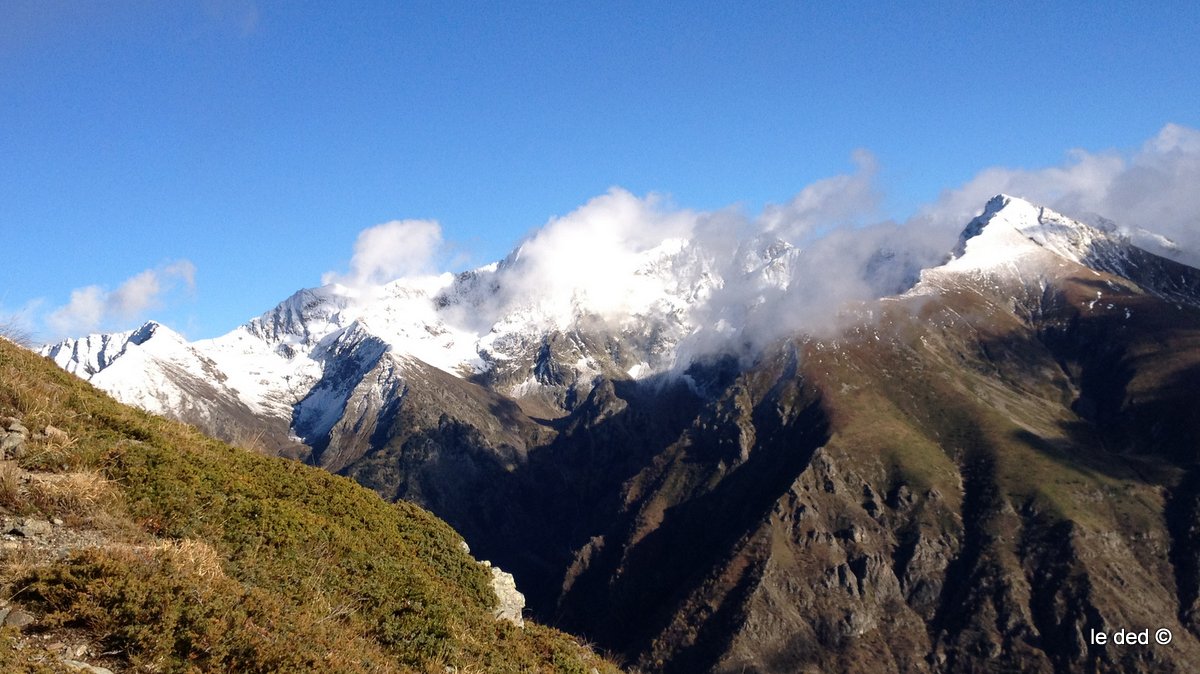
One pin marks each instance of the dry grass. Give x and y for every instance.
(251, 441)
(15, 331)
(198, 558)
(10, 486)
(56, 451)
(81, 494)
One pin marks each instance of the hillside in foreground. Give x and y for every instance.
(134, 543)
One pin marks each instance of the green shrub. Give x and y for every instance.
(304, 569)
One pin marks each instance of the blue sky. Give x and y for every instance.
(229, 153)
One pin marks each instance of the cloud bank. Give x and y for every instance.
(93, 307)
(730, 280)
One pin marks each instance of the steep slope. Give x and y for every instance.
(973, 478)
(170, 551)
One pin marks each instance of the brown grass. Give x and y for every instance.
(251, 441)
(82, 493)
(10, 486)
(196, 557)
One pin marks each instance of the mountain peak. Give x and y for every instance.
(1001, 201)
(1010, 228)
(145, 332)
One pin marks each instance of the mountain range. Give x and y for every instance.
(978, 470)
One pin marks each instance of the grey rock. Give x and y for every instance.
(17, 427)
(31, 528)
(510, 602)
(18, 618)
(12, 446)
(56, 434)
(80, 666)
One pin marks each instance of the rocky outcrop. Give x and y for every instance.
(13, 436)
(510, 602)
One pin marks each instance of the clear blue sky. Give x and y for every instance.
(256, 139)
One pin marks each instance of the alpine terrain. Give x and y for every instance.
(979, 471)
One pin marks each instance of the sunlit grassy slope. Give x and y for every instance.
(202, 557)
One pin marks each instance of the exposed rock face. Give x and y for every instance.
(511, 602)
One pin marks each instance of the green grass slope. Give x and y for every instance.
(201, 557)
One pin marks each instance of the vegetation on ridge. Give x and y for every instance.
(195, 556)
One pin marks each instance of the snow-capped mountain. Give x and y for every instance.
(1013, 429)
(1014, 239)
(511, 328)
(298, 364)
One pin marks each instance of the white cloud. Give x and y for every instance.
(842, 257)
(93, 307)
(589, 257)
(838, 201)
(183, 270)
(83, 313)
(390, 251)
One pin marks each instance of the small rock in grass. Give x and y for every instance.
(12, 445)
(56, 434)
(18, 618)
(31, 528)
(80, 666)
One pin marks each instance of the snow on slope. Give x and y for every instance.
(640, 302)
(1019, 239)
(1011, 230)
(462, 324)
(86, 356)
(153, 368)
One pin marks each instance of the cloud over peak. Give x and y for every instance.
(389, 251)
(94, 307)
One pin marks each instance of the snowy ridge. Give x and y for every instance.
(1016, 238)
(152, 367)
(1011, 229)
(88, 355)
(544, 323)
(286, 362)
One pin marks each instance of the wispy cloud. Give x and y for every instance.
(837, 201)
(93, 307)
(390, 251)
